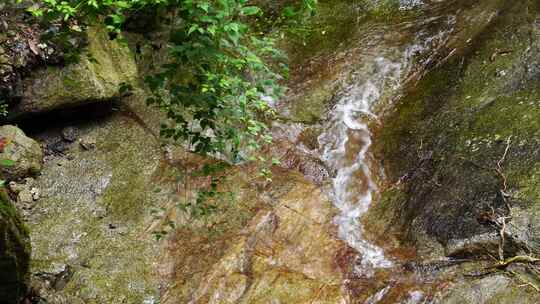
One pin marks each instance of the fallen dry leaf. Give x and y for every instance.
(33, 46)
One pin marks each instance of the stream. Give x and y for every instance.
(384, 59)
(375, 76)
(345, 147)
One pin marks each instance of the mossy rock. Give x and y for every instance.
(312, 106)
(103, 67)
(21, 156)
(446, 136)
(14, 253)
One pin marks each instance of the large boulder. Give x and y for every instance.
(103, 67)
(20, 156)
(463, 143)
(462, 157)
(14, 253)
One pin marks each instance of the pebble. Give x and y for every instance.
(88, 143)
(18, 187)
(25, 197)
(69, 134)
(35, 193)
(26, 193)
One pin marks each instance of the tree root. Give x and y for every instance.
(522, 259)
(525, 282)
(501, 221)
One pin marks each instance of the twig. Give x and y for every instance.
(499, 170)
(319, 291)
(523, 259)
(501, 221)
(502, 231)
(529, 284)
(526, 282)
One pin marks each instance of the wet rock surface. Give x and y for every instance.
(283, 250)
(461, 155)
(458, 111)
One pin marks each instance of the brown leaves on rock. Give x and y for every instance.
(497, 53)
(3, 143)
(33, 47)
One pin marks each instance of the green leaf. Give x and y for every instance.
(210, 88)
(250, 10)
(289, 12)
(204, 6)
(7, 162)
(193, 28)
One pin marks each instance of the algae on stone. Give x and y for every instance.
(95, 212)
(443, 143)
(104, 65)
(14, 253)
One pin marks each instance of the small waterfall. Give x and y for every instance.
(346, 140)
(345, 147)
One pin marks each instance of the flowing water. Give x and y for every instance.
(345, 149)
(385, 58)
(346, 140)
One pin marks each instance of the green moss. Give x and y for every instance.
(411, 125)
(388, 11)
(448, 133)
(311, 107)
(8, 211)
(382, 217)
(97, 75)
(14, 253)
(98, 213)
(511, 115)
(530, 187)
(330, 28)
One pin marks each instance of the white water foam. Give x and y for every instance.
(345, 149)
(346, 140)
(410, 4)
